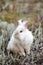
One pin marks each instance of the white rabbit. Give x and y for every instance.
(21, 39)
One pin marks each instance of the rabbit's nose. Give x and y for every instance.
(16, 33)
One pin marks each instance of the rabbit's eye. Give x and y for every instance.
(21, 31)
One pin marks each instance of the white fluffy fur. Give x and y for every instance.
(21, 40)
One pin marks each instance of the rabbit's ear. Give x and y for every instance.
(25, 23)
(20, 21)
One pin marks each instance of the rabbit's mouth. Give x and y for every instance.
(17, 38)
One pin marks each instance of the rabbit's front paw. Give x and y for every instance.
(28, 50)
(22, 54)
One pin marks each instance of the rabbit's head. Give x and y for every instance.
(21, 31)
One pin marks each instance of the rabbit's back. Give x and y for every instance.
(27, 37)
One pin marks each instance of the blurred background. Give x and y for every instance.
(10, 12)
